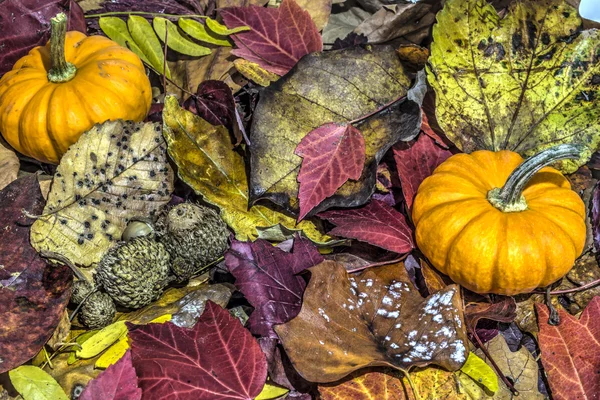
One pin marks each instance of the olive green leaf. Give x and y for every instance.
(33, 383)
(198, 31)
(141, 31)
(116, 29)
(222, 30)
(336, 86)
(102, 340)
(524, 82)
(116, 171)
(175, 40)
(207, 162)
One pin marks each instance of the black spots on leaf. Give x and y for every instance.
(110, 153)
(482, 83)
(517, 42)
(531, 34)
(595, 79)
(63, 221)
(157, 139)
(548, 55)
(482, 45)
(566, 14)
(157, 128)
(545, 39)
(94, 217)
(494, 48)
(585, 96)
(152, 174)
(87, 225)
(459, 42)
(77, 197)
(93, 157)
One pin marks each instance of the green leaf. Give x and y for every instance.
(116, 29)
(34, 384)
(80, 340)
(198, 31)
(271, 392)
(141, 31)
(480, 372)
(222, 30)
(175, 40)
(102, 340)
(523, 82)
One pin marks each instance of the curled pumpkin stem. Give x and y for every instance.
(509, 198)
(60, 69)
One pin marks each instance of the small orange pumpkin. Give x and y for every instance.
(58, 91)
(494, 224)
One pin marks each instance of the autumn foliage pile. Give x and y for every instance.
(410, 190)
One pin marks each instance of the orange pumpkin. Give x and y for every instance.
(494, 224)
(58, 91)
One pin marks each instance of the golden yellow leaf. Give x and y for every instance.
(271, 392)
(113, 353)
(102, 340)
(209, 165)
(523, 82)
(255, 72)
(480, 372)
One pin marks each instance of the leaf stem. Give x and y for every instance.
(50, 255)
(509, 198)
(413, 387)
(575, 289)
(117, 13)
(60, 70)
(378, 110)
(508, 384)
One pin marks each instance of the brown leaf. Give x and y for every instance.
(372, 319)
(319, 11)
(585, 270)
(215, 66)
(9, 166)
(502, 310)
(397, 20)
(433, 279)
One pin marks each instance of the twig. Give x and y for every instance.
(572, 290)
(165, 59)
(380, 109)
(50, 255)
(351, 271)
(109, 14)
(76, 310)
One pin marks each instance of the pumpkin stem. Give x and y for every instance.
(509, 198)
(60, 70)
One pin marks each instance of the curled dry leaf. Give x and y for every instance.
(33, 295)
(216, 360)
(279, 36)
(337, 86)
(503, 309)
(116, 171)
(375, 318)
(524, 82)
(9, 166)
(268, 277)
(376, 223)
(213, 169)
(571, 352)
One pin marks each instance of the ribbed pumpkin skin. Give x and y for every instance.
(490, 251)
(42, 119)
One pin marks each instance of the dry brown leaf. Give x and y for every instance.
(9, 166)
(393, 21)
(319, 11)
(365, 385)
(375, 318)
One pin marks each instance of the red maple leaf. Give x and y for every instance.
(417, 162)
(118, 382)
(217, 359)
(571, 352)
(376, 223)
(333, 153)
(279, 36)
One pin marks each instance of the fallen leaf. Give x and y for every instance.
(585, 270)
(175, 40)
(480, 372)
(524, 82)
(396, 20)
(375, 318)
(503, 309)
(365, 385)
(331, 154)
(215, 66)
(376, 223)
(279, 36)
(254, 72)
(102, 340)
(351, 40)
(343, 20)
(118, 382)
(213, 102)
(333, 87)
(416, 163)
(240, 3)
(33, 383)
(61, 333)
(414, 56)
(33, 295)
(571, 352)
(9, 166)
(271, 392)
(519, 367)
(26, 24)
(319, 11)
(116, 171)
(208, 164)
(217, 359)
(268, 277)
(280, 368)
(113, 354)
(198, 31)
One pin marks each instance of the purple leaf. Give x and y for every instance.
(267, 276)
(214, 103)
(216, 360)
(25, 24)
(118, 382)
(376, 223)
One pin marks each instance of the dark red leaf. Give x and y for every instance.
(214, 103)
(351, 40)
(33, 295)
(217, 359)
(503, 309)
(279, 36)
(376, 223)
(571, 352)
(118, 382)
(332, 154)
(25, 24)
(267, 276)
(416, 163)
